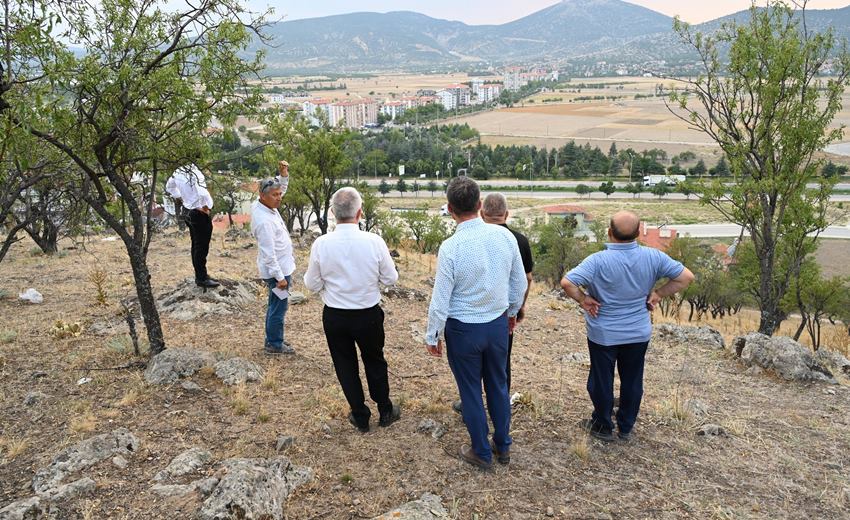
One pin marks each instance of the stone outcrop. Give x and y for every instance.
(705, 335)
(189, 302)
(782, 356)
(428, 507)
(187, 462)
(236, 371)
(173, 364)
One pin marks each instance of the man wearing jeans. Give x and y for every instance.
(617, 299)
(274, 258)
(347, 267)
(478, 290)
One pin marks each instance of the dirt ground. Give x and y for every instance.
(787, 454)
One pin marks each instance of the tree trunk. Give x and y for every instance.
(147, 302)
(800, 329)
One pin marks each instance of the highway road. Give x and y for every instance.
(546, 183)
(572, 195)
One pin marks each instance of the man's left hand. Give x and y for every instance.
(520, 315)
(512, 321)
(435, 350)
(652, 301)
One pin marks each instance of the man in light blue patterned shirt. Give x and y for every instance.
(474, 308)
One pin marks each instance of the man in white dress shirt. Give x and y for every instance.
(274, 259)
(189, 183)
(346, 266)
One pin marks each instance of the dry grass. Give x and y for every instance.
(7, 336)
(13, 447)
(240, 402)
(580, 447)
(83, 423)
(98, 278)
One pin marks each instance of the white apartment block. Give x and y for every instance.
(352, 114)
(462, 94)
(393, 109)
(447, 99)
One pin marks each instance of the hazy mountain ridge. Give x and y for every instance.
(569, 31)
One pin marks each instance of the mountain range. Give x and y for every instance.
(571, 31)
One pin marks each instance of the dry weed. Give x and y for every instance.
(98, 278)
(271, 381)
(580, 447)
(332, 401)
(7, 336)
(240, 402)
(207, 371)
(263, 416)
(11, 448)
(130, 398)
(84, 423)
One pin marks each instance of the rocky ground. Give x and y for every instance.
(722, 434)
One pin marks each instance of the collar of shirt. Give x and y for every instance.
(263, 207)
(347, 227)
(469, 224)
(622, 246)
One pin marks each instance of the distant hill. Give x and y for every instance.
(571, 30)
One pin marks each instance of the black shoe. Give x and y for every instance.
(625, 437)
(458, 406)
(286, 349)
(394, 415)
(209, 283)
(596, 430)
(504, 457)
(353, 421)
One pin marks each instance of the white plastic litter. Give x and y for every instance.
(109, 239)
(83, 380)
(516, 397)
(31, 295)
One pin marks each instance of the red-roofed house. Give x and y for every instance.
(658, 238)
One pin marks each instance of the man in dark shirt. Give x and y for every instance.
(495, 211)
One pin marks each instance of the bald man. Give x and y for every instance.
(618, 297)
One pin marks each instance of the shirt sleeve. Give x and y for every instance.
(313, 277)
(266, 253)
(518, 282)
(387, 273)
(525, 252)
(584, 273)
(667, 267)
(438, 311)
(171, 187)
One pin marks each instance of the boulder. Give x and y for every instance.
(33, 398)
(781, 355)
(235, 371)
(71, 490)
(833, 361)
(705, 336)
(83, 455)
(189, 302)
(203, 486)
(174, 363)
(284, 442)
(26, 509)
(187, 462)
(254, 489)
(712, 430)
(190, 386)
(429, 507)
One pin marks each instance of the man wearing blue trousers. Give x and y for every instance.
(474, 308)
(619, 293)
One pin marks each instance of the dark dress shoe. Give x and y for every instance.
(504, 457)
(458, 406)
(209, 283)
(353, 421)
(596, 430)
(465, 453)
(393, 416)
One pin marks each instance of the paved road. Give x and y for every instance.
(548, 183)
(543, 195)
(733, 230)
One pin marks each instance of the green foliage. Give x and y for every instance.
(661, 189)
(816, 299)
(401, 186)
(634, 188)
(777, 112)
(384, 187)
(391, 230)
(418, 224)
(607, 188)
(699, 169)
(830, 170)
(558, 250)
(583, 189)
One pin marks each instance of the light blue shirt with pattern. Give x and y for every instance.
(479, 277)
(621, 278)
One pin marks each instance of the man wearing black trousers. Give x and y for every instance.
(189, 182)
(347, 266)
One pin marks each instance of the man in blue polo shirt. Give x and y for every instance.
(617, 298)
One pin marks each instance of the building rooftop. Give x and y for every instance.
(657, 238)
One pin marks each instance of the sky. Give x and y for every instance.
(477, 12)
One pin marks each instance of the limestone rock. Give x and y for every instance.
(33, 398)
(236, 371)
(71, 490)
(696, 407)
(576, 357)
(26, 509)
(174, 363)
(254, 489)
(296, 298)
(189, 302)
(172, 490)
(185, 463)
(833, 360)
(431, 426)
(706, 336)
(428, 507)
(284, 442)
(781, 355)
(403, 293)
(712, 430)
(119, 461)
(83, 455)
(190, 386)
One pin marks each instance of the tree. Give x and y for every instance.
(418, 224)
(557, 249)
(316, 156)
(769, 111)
(229, 193)
(721, 169)
(415, 187)
(132, 105)
(815, 298)
(371, 216)
(583, 189)
(634, 188)
(699, 169)
(607, 188)
(830, 170)
(401, 186)
(432, 187)
(661, 189)
(686, 188)
(383, 188)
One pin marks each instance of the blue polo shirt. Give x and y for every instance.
(621, 278)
